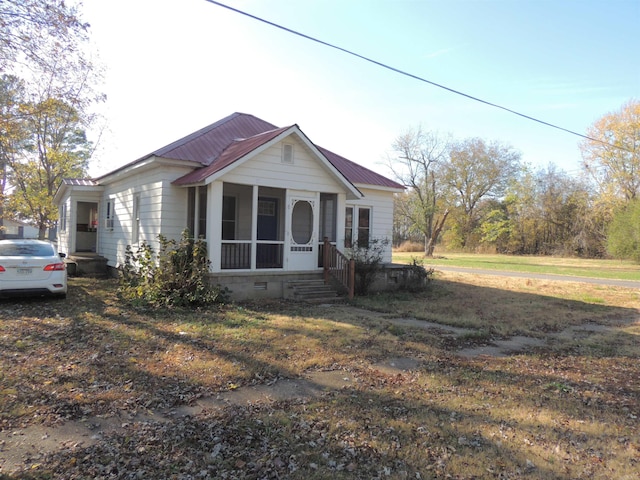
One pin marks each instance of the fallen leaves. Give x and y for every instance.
(549, 414)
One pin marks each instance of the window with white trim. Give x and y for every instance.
(109, 215)
(364, 227)
(357, 225)
(348, 228)
(63, 217)
(197, 211)
(135, 236)
(287, 153)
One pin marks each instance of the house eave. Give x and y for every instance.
(76, 188)
(142, 165)
(381, 188)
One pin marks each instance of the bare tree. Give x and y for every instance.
(477, 170)
(418, 158)
(29, 28)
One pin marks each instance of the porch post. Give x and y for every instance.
(325, 259)
(214, 225)
(340, 219)
(254, 226)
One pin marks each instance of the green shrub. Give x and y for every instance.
(623, 239)
(177, 277)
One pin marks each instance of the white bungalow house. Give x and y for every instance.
(262, 197)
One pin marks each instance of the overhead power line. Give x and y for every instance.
(410, 75)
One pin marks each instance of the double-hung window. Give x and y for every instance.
(63, 218)
(109, 216)
(357, 226)
(197, 211)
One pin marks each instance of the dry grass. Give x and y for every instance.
(408, 246)
(565, 411)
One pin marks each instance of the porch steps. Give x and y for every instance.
(313, 291)
(86, 264)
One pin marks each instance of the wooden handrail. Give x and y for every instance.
(336, 264)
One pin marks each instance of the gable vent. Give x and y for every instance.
(287, 153)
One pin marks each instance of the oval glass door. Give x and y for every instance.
(302, 251)
(302, 223)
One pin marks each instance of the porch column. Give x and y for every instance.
(72, 226)
(254, 226)
(316, 227)
(214, 224)
(340, 219)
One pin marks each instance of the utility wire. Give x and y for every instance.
(411, 75)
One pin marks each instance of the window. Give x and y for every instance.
(287, 153)
(364, 222)
(360, 229)
(228, 218)
(109, 215)
(63, 217)
(197, 211)
(348, 228)
(135, 235)
(267, 208)
(202, 212)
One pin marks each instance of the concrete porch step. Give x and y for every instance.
(315, 291)
(86, 264)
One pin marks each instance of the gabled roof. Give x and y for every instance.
(225, 142)
(235, 151)
(208, 143)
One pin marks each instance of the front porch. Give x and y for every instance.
(251, 228)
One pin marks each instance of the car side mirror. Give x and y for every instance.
(62, 255)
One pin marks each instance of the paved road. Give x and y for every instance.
(540, 276)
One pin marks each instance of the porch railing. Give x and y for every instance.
(336, 264)
(237, 255)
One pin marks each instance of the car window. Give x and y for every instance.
(26, 250)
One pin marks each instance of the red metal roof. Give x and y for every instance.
(228, 140)
(357, 173)
(236, 150)
(206, 145)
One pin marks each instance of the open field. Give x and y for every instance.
(405, 403)
(580, 267)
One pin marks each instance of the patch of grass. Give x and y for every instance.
(593, 268)
(481, 335)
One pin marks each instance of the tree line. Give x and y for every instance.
(476, 195)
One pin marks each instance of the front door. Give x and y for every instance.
(302, 233)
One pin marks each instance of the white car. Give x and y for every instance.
(31, 267)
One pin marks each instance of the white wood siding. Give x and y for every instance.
(381, 204)
(163, 209)
(64, 236)
(267, 169)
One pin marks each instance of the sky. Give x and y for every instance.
(175, 66)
